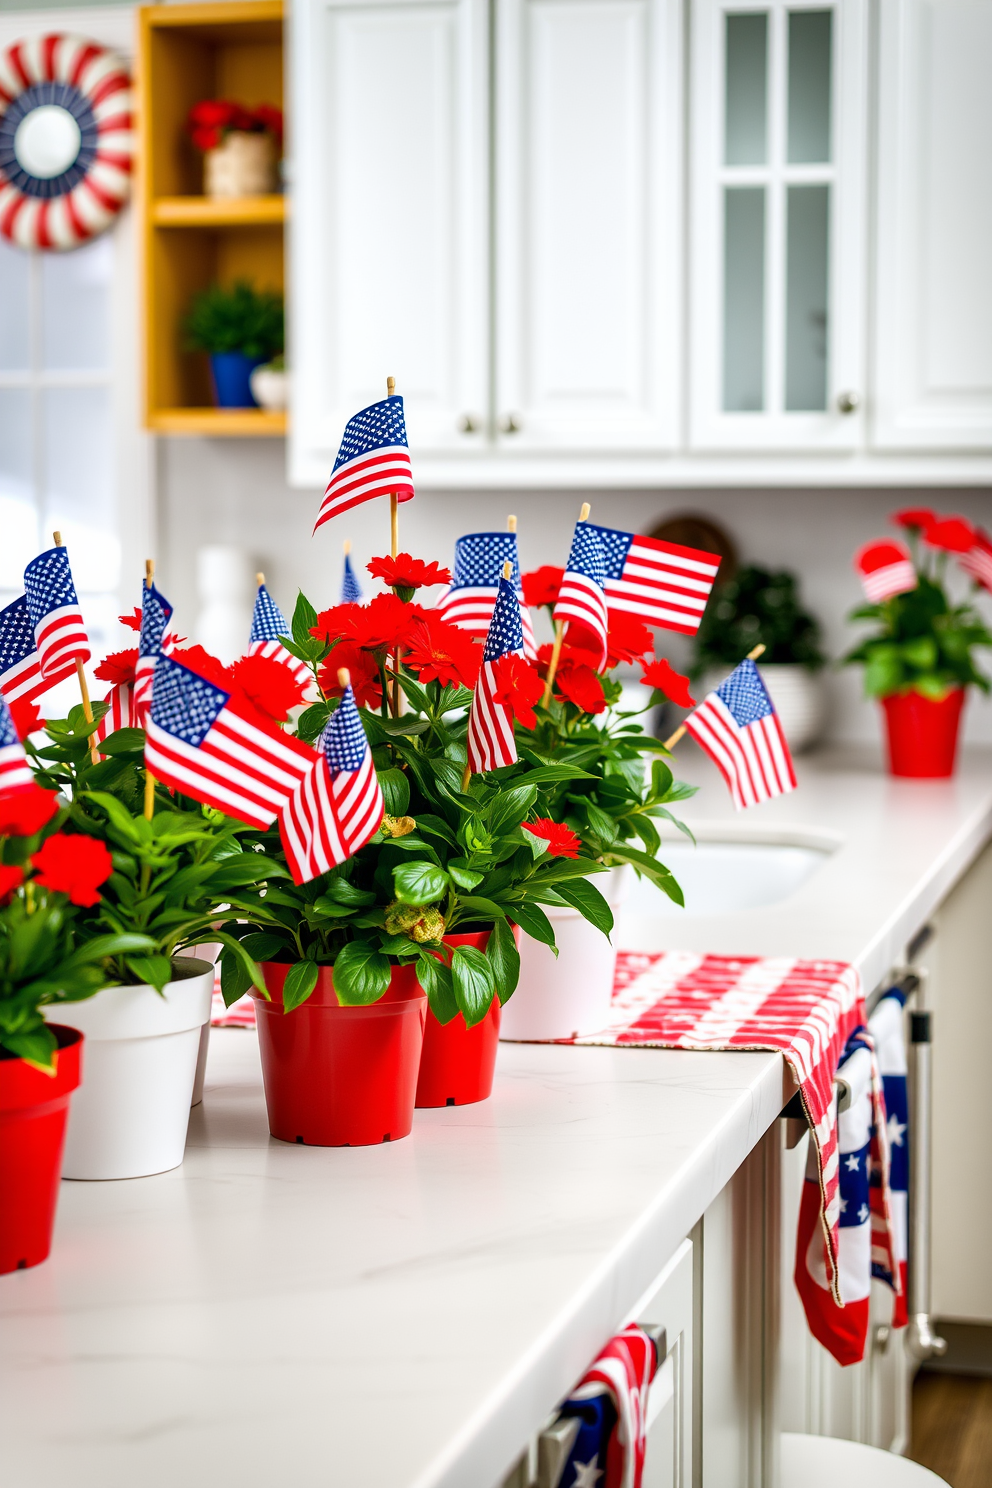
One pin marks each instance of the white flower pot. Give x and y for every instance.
(797, 696)
(269, 387)
(129, 1116)
(559, 998)
(201, 1064)
(243, 165)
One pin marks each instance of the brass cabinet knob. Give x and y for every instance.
(509, 424)
(848, 402)
(469, 424)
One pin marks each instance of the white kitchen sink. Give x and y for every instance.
(726, 877)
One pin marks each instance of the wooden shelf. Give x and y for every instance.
(206, 211)
(242, 422)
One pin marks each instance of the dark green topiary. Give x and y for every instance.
(757, 605)
(240, 319)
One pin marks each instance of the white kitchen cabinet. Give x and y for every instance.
(669, 1303)
(933, 287)
(778, 228)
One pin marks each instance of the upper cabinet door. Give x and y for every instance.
(587, 147)
(389, 229)
(778, 237)
(934, 278)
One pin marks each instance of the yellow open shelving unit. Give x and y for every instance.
(233, 49)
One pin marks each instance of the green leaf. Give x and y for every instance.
(311, 721)
(261, 947)
(409, 725)
(300, 982)
(155, 970)
(586, 898)
(462, 875)
(124, 741)
(600, 822)
(532, 919)
(234, 977)
(511, 806)
(245, 960)
(419, 883)
(474, 983)
(503, 956)
(343, 892)
(36, 1047)
(552, 774)
(920, 652)
(361, 974)
(435, 826)
(395, 791)
(435, 978)
(304, 619)
(478, 908)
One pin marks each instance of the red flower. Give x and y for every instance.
(366, 683)
(205, 138)
(441, 652)
(519, 685)
(541, 585)
(268, 117)
(206, 665)
(952, 534)
(383, 624)
(404, 572)
(26, 717)
(118, 666)
(657, 673)
(132, 621)
(269, 685)
(627, 639)
(576, 679)
(11, 879)
(562, 841)
(73, 865)
(920, 517)
(26, 811)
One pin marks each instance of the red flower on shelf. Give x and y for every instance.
(657, 673)
(118, 666)
(541, 585)
(951, 534)
(26, 811)
(627, 639)
(366, 683)
(11, 878)
(211, 119)
(74, 865)
(269, 685)
(381, 625)
(404, 572)
(132, 621)
(26, 717)
(562, 841)
(440, 652)
(518, 684)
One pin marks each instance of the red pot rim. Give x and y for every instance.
(21, 1084)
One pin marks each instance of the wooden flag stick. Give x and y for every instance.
(260, 579)
(149, 810)
(346, 545)
(560, 632)
(84, 690)
(671, 742)
(394, 506)
(511, 524)
(344, 677)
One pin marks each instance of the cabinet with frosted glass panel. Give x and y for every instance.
(777, 259)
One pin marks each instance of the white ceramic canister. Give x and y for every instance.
(129, 1116)
(559, 998)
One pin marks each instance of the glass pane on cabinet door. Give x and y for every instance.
(18, 516)
(76, 309)
(746, 104)
(744, 299)
(15, 269)
(810, 39)
(807, 245)
(79, 490)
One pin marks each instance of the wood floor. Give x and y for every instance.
(952, 1428)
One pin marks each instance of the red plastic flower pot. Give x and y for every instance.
(340, 1076)
(33, 1111)
(456, 1067)
(923, 734)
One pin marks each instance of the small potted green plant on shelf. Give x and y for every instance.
(918, 662)
(240, 329)
(763, 606)
(240, 146)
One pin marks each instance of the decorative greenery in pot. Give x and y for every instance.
(240, 329)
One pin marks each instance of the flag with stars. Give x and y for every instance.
(609, 1407)
(662, 583)
(15, 772)
(207, 745)
(156, 612)
(59, 632)
(469, 600)
(121, 712)
(20, 668)
(351, 589)
(885, 569)
(887, 1027)
(268, 623)
(740, 731)
(338, 805)
(581, 601)
(490, 723)
(374, 460)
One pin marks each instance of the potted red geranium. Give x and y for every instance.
(918, 662)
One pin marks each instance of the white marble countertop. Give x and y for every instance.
(404, 1316)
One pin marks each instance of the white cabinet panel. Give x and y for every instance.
(934, 290)
(588, 108)
(668, 1456)
(389, 231)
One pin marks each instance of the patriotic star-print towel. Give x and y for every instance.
(806, 1010)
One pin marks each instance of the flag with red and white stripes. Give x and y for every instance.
(581, 598)
(218, 749)
(15, 772)
(490, 723)
(20, 668)
(470, 599)
(122, 712)
(977, 562)
(374, 460)
(662, 583)
(338, 805)
(740, 731)
(59, 632)
(156, 612)
(887, 1027)
(885, 569)
(268, 623)
(609, 1407)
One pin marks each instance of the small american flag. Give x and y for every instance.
(59, 632)
(268, 623)
(374, 460)
(156, 612)
(15, 772)
(209, 747)
(469, 600)
(885, 569)
(121, 713)
(661, 583)
(20, 669)
(887, 1027)
(351, 589)
(338, 806)
(739, 730)
(582, 596)
(490, 724)
(977, 562)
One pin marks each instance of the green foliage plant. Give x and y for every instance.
(758, 605)
(238, 319)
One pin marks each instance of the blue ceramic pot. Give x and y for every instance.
(230, 371)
